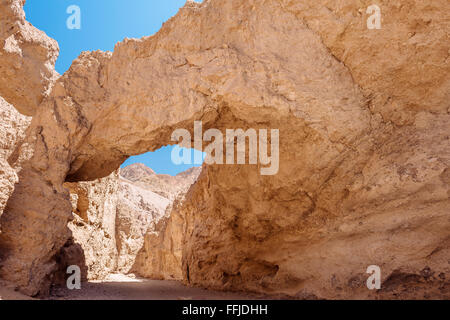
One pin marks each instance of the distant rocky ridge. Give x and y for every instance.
(165, 185)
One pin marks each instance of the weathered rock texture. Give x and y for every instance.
(12, 131)
(167, 186)
(137, 210)
(364, 146)
(160, 251)
(112, 216)
(94, 226)
(27, 59)
(145, 221)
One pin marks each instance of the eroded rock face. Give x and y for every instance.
(167, 186)
(113, 215)
(27, 59)
(159, 250)
(94, 227)
(145, 221)
(318, 243)
(137, 209)
(160, 257)
(12, 131)
(364, 152)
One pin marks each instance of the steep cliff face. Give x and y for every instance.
(364, 153)
(167, 186)
(160, 257)
(160, 252)
(93, 242)
(403, 67)
(112, 216)
(27, 59)
(137, 210)
(12, 132)
(391, 211)
(145, 221)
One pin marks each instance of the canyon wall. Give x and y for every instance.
(160, 257)
(167, 186)
(27, 58)
(150, 237)
(364, 147)
(27, 74)
(137, 211)
(161, 252)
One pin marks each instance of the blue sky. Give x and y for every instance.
(103, 24)
(160, 161)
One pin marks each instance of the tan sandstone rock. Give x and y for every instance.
(364, 146)
(93, 227)
(27, 59)
(137, 209)
(161, 254)
(143, 212)
(112, 216)
(160, 249)
(167, 186)
(12, 131)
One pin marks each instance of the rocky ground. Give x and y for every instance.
(7, 292)
(128, 287)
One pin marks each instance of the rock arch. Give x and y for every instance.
(236, 64)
